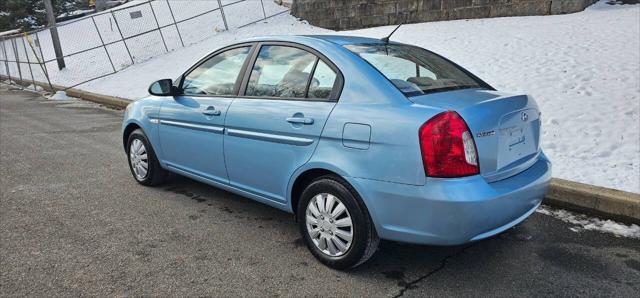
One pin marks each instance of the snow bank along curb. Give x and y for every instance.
(595, 200)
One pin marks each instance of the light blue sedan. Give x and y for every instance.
(362, 139)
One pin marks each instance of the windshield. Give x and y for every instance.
(413, 70)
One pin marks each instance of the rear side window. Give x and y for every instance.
(413, 70)
(288, 72)
(216, 76)
(322, 83)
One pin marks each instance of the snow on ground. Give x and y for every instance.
(583, 222)
(582, 68)
(59, 95)
(34, 87)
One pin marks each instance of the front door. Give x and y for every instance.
(192, 124)
(275, 126)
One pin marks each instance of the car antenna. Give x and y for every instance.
(386, 39)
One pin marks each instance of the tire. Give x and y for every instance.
(155, 174)
(331, 230)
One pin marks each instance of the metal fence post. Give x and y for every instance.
(174, 23)
(103, 46)
(44, 63)
(15, 55)
(264, 13)
(33, 80)
(6, 60)
(224, 19)
(51, 22)
(158, 24)
(122, 36)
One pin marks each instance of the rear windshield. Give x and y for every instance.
(413, 70)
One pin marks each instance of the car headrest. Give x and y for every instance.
(294, 77)
(421, 81)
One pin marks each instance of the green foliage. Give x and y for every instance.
(30, 14)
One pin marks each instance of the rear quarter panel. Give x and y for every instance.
(393, 154)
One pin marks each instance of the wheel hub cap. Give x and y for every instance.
(329, 224)
(138, 159)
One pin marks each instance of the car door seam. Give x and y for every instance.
(225, 130)
(291, 179)
(157, 130)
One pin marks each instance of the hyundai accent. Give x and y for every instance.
(362, 139)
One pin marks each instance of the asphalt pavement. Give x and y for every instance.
(73, 222)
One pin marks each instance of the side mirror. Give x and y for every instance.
(162, 88)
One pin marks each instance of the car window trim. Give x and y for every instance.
(311, 75)
(336, 90)
(236, 87)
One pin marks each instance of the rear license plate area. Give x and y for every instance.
(518, 136)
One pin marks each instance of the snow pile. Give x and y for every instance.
(582, 68)
(59, 95)
(584, 222)
(34, 87)
(11, 82)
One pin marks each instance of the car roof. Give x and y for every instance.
(303, 39)
(346, 39)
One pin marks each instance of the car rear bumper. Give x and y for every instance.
(454, 211)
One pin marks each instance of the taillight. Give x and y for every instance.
(447, 146)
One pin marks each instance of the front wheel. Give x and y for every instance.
(143, 163)
(335, 223)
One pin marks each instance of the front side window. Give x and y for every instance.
(282, 71)
(413, 70)
(218, 75)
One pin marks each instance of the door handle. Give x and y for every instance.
(211, 111)
(300, 120)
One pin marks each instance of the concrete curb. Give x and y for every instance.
(110, 101)
(594, 200)
(600, 201)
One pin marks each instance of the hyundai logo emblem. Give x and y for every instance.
(524, 116)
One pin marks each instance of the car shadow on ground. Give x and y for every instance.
(394, 260)
(540, 254)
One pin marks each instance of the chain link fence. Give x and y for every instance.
(105, 43)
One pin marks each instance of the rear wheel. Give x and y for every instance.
(143, 163)
(335, 223)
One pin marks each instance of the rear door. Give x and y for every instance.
(192, 124)
(273, 127)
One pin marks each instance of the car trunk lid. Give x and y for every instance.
(506, 128)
